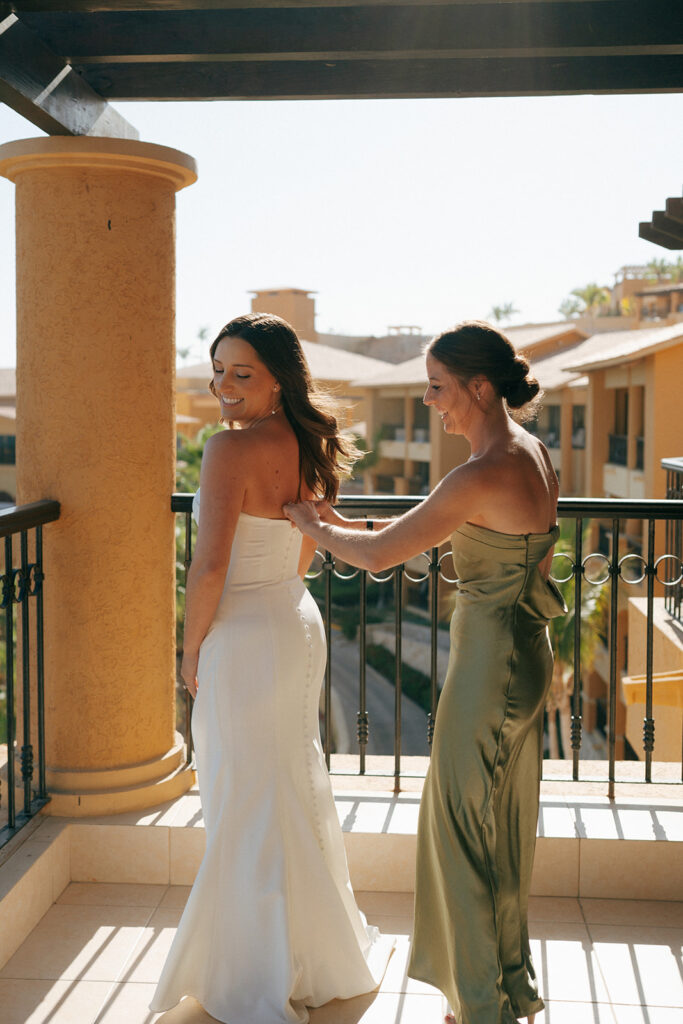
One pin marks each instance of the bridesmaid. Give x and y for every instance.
(477, 828)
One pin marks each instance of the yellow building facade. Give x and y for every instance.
(623, 390)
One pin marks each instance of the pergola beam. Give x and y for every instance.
(47, 91)
(647, 231)
(665, 228)
(99, 6)
(674, 210)
(368, 79)
(483, 30)
(668, 226)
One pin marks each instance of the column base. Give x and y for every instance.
(80, 794)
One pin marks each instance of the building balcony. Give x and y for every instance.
(106, 896)
(620, 479)
(640, 453)
(622, 482)
(415, 451)
(90, 904)
(618, 450)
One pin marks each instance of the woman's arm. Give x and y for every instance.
(330, 515)
(223, 483)
(449, 505)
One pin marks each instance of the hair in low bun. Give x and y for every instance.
(522, 387)
(475, 348)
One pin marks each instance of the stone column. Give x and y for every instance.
(633, 426)
(599, 424)
(566, 449)
(95, 223)
(409, 421)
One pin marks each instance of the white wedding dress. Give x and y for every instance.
(271, 925)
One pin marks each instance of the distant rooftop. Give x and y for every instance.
(552, 373)
(524, 337)
(326, 364)
(662, 289)
(622, 347)
(568, 367)
(633, 271)
(412, 371)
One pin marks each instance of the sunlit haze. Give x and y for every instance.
(400, 211)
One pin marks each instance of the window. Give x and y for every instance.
(552, 437)
(578, 426)
(621, 411)
(8, 450)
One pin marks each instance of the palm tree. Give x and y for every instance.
(504, 312)
(659, 269)
(593, 604)
(676, 270)
(570, 307)
(593, 296)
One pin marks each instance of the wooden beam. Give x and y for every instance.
(384, 79)
(99, 6)
(667, 226)
(650, 234)
(47, 91)
(674, 209)
(485, 29)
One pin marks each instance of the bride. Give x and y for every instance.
(271, 925)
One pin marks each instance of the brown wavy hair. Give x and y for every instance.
(324, 455)
(475, 348)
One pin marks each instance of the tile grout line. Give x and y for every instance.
(597, 961)
(121, 974)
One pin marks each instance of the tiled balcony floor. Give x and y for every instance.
(96, 954)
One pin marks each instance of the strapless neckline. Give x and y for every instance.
(265, 519)
(513, 536)
(196, 501)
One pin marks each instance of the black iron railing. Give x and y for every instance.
(674, 534)
(618, 449)
(576, 567)
(21, 648)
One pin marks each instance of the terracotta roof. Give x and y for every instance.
(524, 337)
(326, 364)
(412, 371)
(662, 289)
(551, 372)
(567, 368)
(527, 335)
(622, 347)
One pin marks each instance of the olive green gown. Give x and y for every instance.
(477, 828)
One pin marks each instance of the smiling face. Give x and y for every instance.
(454, 401)
(246, 389)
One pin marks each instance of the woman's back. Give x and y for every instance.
(271, 464)
(519, 488)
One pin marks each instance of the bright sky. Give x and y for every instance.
(400, 211)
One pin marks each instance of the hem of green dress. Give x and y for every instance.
(534, 1007)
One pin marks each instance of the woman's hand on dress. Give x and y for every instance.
(302, 514)
(188, 672)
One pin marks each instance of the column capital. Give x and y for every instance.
(66, 152)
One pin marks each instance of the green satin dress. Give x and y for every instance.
(477, 827)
